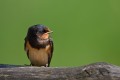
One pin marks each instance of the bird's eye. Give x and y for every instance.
(44, 31)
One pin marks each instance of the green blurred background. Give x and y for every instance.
(85, 31)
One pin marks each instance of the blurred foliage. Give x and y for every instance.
(85, 31)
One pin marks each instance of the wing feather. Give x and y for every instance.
(51, 52)
(25, 47)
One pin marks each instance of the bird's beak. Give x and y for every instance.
(49, 32)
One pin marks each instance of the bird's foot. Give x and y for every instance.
(46, 65)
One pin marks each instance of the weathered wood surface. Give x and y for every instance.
(96, 71)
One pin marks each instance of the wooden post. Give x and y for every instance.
(96, 71)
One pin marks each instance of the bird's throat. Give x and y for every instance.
(43, 36)
(43, 41)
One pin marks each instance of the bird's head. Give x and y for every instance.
(39, 31)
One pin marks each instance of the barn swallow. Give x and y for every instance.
(39, 45)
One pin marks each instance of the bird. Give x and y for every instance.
(39, 45)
